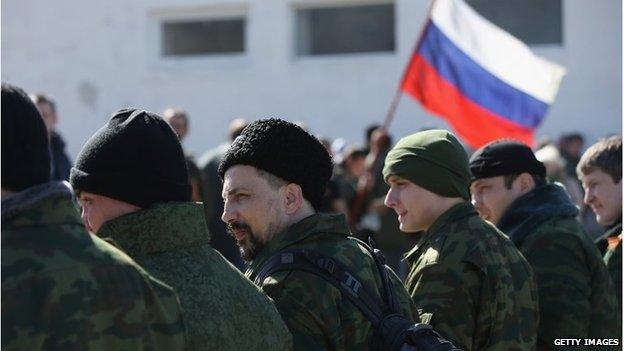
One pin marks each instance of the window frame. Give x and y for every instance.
(300, 5)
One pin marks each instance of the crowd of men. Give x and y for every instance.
(145, 249)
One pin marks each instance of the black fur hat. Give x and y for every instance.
(286, 151)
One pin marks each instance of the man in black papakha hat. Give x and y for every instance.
(131, 179)
(576, 297)
(275, 175)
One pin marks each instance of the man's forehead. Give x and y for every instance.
(593, 175)
(485, 181)
(240, 176)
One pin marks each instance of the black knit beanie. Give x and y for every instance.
(25, 152)
(286, 151)
(504, 157)
(136, 158)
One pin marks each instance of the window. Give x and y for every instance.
(346, 29)
(532, 21)
(200, 37)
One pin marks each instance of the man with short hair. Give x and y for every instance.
(467, 279)
(600, 171)
(179, 121)
(132, 182)
(575, 292)
(275, 175)
(61, 164)
(63, 289)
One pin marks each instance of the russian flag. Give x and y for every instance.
(486, 83)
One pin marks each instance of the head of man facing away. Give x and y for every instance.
(25, 150)
(428, 174)
(133, 162)
(274, 175)
(600, 171)
(502, 171)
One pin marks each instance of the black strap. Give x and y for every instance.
(388, 290)
(333, 272)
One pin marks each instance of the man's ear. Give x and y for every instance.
(525, 182)
(293, 198)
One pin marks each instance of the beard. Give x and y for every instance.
(248, 245)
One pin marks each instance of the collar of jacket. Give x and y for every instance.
(453, 214)
(33, 197)
(534, 208)
(316, 224)
(160, 228)
(614, 230)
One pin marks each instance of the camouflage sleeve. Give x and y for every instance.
(62, 311)
(563, 282)
(149, 320)
(310, 308)
(448, 298)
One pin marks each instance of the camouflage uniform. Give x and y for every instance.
(223, 310)
(575, 291)
(610, 246)
(472, 285)
(314, 310)
(65, 289)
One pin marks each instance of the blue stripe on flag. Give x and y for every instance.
(478, 84)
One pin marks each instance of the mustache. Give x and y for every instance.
(232, 226)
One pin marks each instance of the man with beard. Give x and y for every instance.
(275, 175)
(132, 182)
(600, 171)
(575, 292)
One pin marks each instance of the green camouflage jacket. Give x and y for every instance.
(222, 309)
(575, 290)
(472, 285)
(63, 289)
(613, 257)
(316, 313)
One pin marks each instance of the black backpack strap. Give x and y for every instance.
(389, 294)
(333, 272)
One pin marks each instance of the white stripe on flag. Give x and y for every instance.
(496, 50)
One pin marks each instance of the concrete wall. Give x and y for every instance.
(96, 56)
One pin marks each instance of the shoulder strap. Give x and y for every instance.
(333, 272)
(388, 290)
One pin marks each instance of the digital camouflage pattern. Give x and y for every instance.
(575, 291)
(63, 289)
(472, 285)
(223, 310)
(316, 313)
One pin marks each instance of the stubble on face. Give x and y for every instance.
(250, 242)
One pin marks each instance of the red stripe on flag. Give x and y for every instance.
(476, 125)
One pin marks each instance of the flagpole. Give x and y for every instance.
(399, 92)
(392, 109)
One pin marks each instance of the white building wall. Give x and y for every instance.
(94, 57)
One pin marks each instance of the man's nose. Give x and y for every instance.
(390, 199)
(228, 213)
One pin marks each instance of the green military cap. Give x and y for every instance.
(433, 159)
